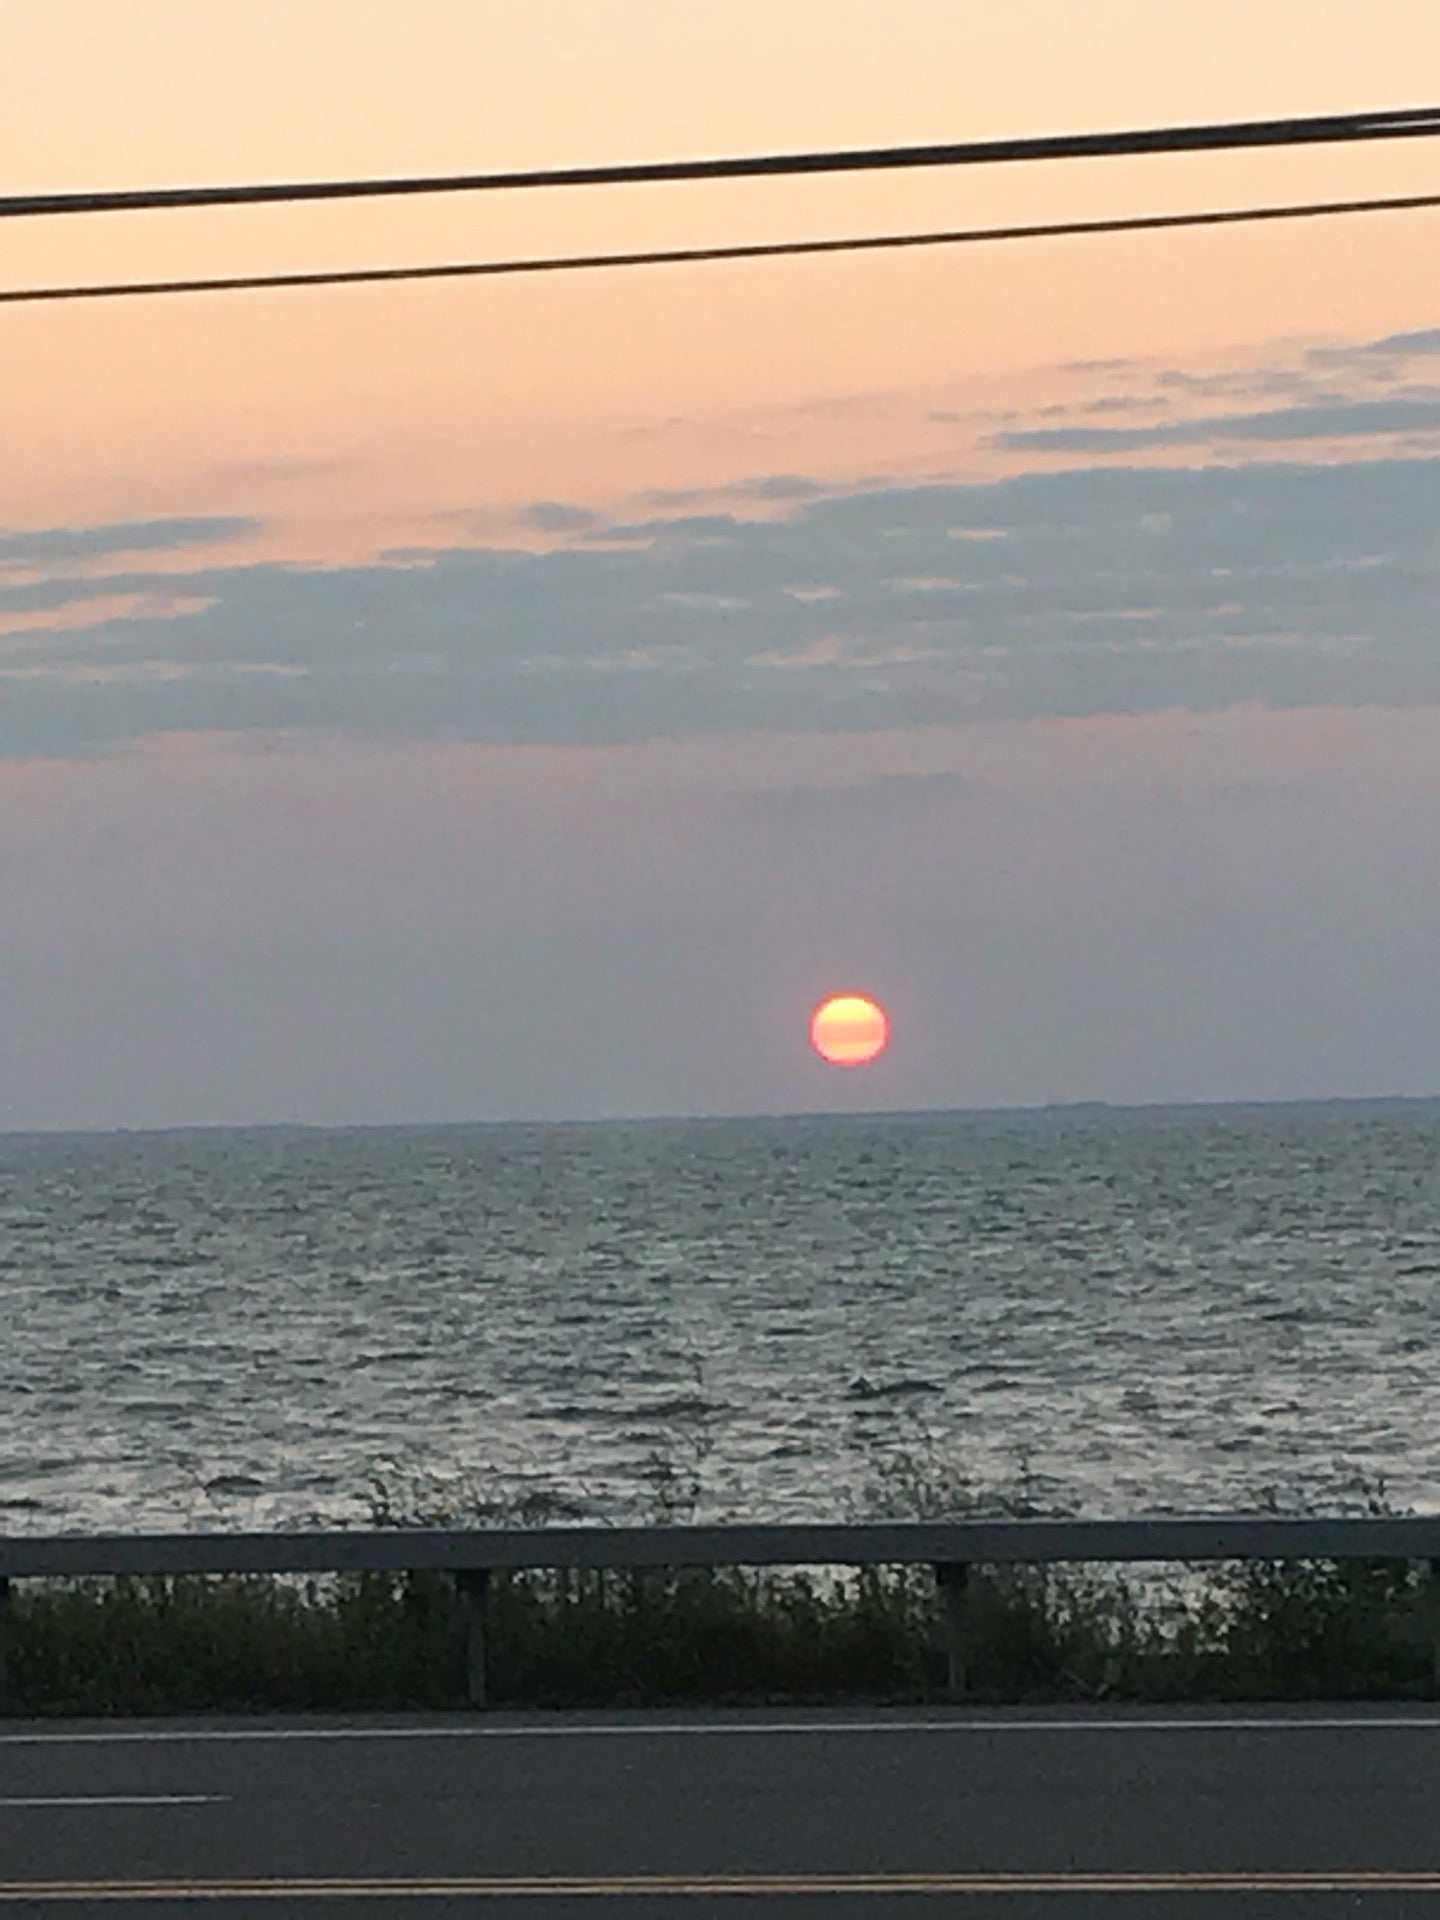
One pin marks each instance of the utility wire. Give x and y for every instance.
(662, 257)
(1399, 124)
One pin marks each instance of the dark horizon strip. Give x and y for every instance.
(676, 256)
(1397, 124)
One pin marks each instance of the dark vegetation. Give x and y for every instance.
(1300, 1630)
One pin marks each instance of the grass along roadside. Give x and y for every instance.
(1232, 1632)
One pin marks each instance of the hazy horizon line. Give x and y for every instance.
(1059, 1107)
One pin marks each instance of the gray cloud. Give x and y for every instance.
(557, 516)
(1317, 376)
(1407, 413)
(1391, 346)
(780, 603)
(1252, 383)
(56, 593)
(1103, 590)
(52, 546)
(782, 487)
(1106, 366)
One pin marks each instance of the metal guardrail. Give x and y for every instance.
(951, 1548)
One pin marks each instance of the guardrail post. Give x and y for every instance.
(952, 1577)
(6, 1677)
(1435, 1627)
(471, 1586)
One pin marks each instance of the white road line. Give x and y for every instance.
(178, 1736)
(709, 1886)
(117, 1800)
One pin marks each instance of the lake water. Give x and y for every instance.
(1155, 1308)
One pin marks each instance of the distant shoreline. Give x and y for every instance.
(1055, 1110)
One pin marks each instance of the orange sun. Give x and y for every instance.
(849, 1029)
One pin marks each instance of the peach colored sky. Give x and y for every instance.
(375, 408)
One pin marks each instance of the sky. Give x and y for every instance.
(526, 699)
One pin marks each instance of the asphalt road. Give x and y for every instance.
(1066, 1814)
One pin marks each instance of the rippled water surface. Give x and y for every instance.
(1161, 1308)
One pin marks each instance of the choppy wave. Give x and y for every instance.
(1150, 1309)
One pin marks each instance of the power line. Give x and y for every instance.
(676, 256)
(1398, 124)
